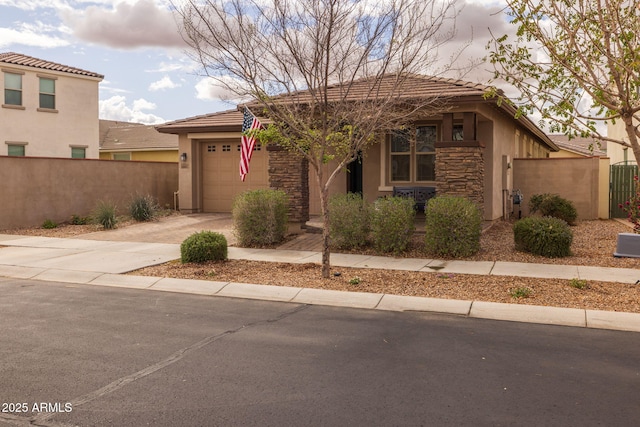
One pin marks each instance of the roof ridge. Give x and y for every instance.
(31, 61)
(200, 116)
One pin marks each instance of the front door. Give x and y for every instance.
(354, 175)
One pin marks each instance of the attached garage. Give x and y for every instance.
(220, 176)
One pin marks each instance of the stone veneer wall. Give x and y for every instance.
(290, 173)
(460, 170)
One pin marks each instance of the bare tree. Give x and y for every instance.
(330, 75)
(577, 62)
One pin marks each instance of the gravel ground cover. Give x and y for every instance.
(593, 245)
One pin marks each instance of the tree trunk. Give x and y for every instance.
(326, 253)
(633, 138)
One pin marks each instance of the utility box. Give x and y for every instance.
(628, 246)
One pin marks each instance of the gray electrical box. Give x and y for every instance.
(628, 245)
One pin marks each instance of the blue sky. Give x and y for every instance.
(135, 44)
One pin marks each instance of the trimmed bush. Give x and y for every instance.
(203, 246)
(105, 215)
(392, 223)
(260, 217)
(555, 206)
(79, 220)
(348, 221)
(546, 236)
(143, 208)
(49, 224)
(453, 226)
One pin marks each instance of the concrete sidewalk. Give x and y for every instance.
(104, 262)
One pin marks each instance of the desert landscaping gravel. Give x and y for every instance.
(593, 245)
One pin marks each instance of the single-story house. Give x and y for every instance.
(137, 142)
(466, 150)
(578, 147)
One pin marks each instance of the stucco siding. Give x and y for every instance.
(52, 133)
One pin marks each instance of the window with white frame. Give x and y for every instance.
(12, 89)
(413, 154)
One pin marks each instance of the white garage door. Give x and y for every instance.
(220, 174)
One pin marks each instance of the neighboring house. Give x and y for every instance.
(467, 151)
(578, 147)
(135, 141)
(616, 152)
(48, 109)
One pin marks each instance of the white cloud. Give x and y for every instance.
(116, 108)
(37, 35)
(126, 26)
(143, 104)
(36, 4)
(162, 84)
(209, 89)
(165, 67)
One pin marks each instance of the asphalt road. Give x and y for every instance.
(92, 356)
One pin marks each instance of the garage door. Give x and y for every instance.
(221, 178)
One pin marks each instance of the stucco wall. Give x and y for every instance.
(147, 156)
(616, 152)
(339, 185)
(576, 179)
(36, 189)
(52, 134)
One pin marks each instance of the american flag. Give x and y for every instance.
(248, 142)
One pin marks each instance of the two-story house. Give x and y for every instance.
(47, 109)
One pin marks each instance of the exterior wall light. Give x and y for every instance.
(183, 157)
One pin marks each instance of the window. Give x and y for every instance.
(16, 150)
(78, 152)
(400, 156)
(47, 93)
(413, 154)
(458, 133)
(121, 156)
(426, 153)
(12, 89)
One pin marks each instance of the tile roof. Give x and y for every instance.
(581, 145)
(223, 121)
(124, 136)
(28, 61)
(409, 86)
(415, 86)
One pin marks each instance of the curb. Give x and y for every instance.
(573, 317)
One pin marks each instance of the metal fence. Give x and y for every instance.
(622, 187)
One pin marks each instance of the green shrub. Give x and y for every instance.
(555, 206)
(204, 246)
(143, 208)
(79, 220)
(579, 283)
(48, 224)
(453, 226)
(260, 217)
(392, 223)
(520, 292)
(105, 215)
(348, 221)
(546, 236)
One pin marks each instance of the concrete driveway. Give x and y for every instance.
(171, 229)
